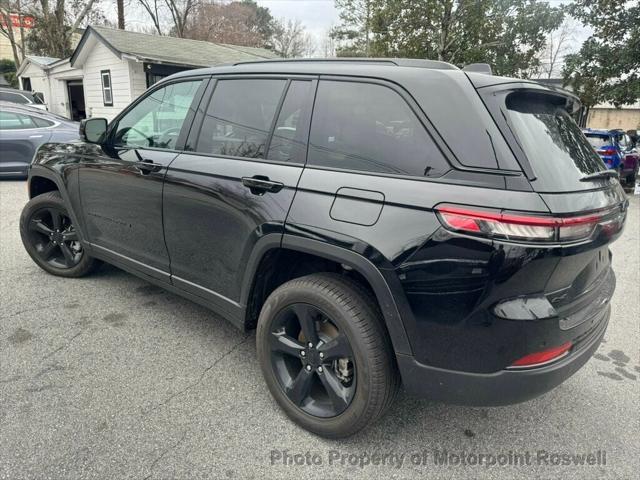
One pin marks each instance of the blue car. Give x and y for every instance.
(617, 150)
(22, 130)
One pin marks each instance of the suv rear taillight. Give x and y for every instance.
(526, 227)
(607, 151)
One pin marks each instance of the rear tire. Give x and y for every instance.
(50, 238)
(631, 178)
(342, 312)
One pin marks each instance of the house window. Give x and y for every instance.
(107, 91)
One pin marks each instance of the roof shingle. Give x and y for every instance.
(178, 51)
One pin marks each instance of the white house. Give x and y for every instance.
(110, 68)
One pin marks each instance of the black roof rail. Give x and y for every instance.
(399, 62)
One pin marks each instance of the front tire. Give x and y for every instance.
(326, 355)
(50, 238)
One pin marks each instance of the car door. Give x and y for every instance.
(121, 189)
(231, 194)
(20, 137)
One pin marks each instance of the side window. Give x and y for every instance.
(623, 142)
(41, 122)
(107, 91)
(289, 142)
(239, 117)
(368, 127)
(13, 97)
(156, 120)
(15, 121)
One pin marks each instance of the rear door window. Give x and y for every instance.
(238, 120)
(371, 128)
(598, 141)
(556, 148)
(289, 140)
(16, 121)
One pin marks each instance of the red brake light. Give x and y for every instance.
(608, 151)
(523, 227)
(545, 356)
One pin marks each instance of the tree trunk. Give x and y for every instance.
(23, 47)
(366, 29)
(120, 4)
(6, 18)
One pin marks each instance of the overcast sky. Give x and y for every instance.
(317, 15)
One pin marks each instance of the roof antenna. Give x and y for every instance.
(478, 68)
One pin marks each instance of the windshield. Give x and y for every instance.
(598, 141)
(556, 148)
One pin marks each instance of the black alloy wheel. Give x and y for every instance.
(326, 355)
(312, 360)
(54, 238)
(51, 239)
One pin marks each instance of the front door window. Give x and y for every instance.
(157, 120)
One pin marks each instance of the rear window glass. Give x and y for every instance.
(370, 128)
(13, 97)
(558, 151)
(598, 141)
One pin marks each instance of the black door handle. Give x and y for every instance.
(148, 166)
(259, 184)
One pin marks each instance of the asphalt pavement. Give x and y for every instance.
(111, 377)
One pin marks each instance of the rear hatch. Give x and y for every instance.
(575, 184)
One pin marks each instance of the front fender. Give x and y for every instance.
(58, 163)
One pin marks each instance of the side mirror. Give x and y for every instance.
(92, 130)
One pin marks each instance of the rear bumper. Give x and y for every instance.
(499, 388)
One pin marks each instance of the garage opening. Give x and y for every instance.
(75, 91)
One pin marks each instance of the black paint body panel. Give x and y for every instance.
(193, 227)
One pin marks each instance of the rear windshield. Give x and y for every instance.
(598, 141)
(556, 148)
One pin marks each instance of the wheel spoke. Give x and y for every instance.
(69, 258)
(281, 342)
(299, 388)
(70, 236)
(38, 226)
(337, 347)
(56, 218)
(338, 393)
(307, 322)
(47, 250)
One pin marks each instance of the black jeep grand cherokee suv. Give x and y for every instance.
(377, 221)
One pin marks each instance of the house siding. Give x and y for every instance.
(39, 81)
(138, 79)
(58, 76)
(102, 58)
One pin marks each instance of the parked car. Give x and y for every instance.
(334, 206)
(22, 97)
(618, 151)
(22, 130)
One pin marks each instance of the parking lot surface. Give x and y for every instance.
(111, 377)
